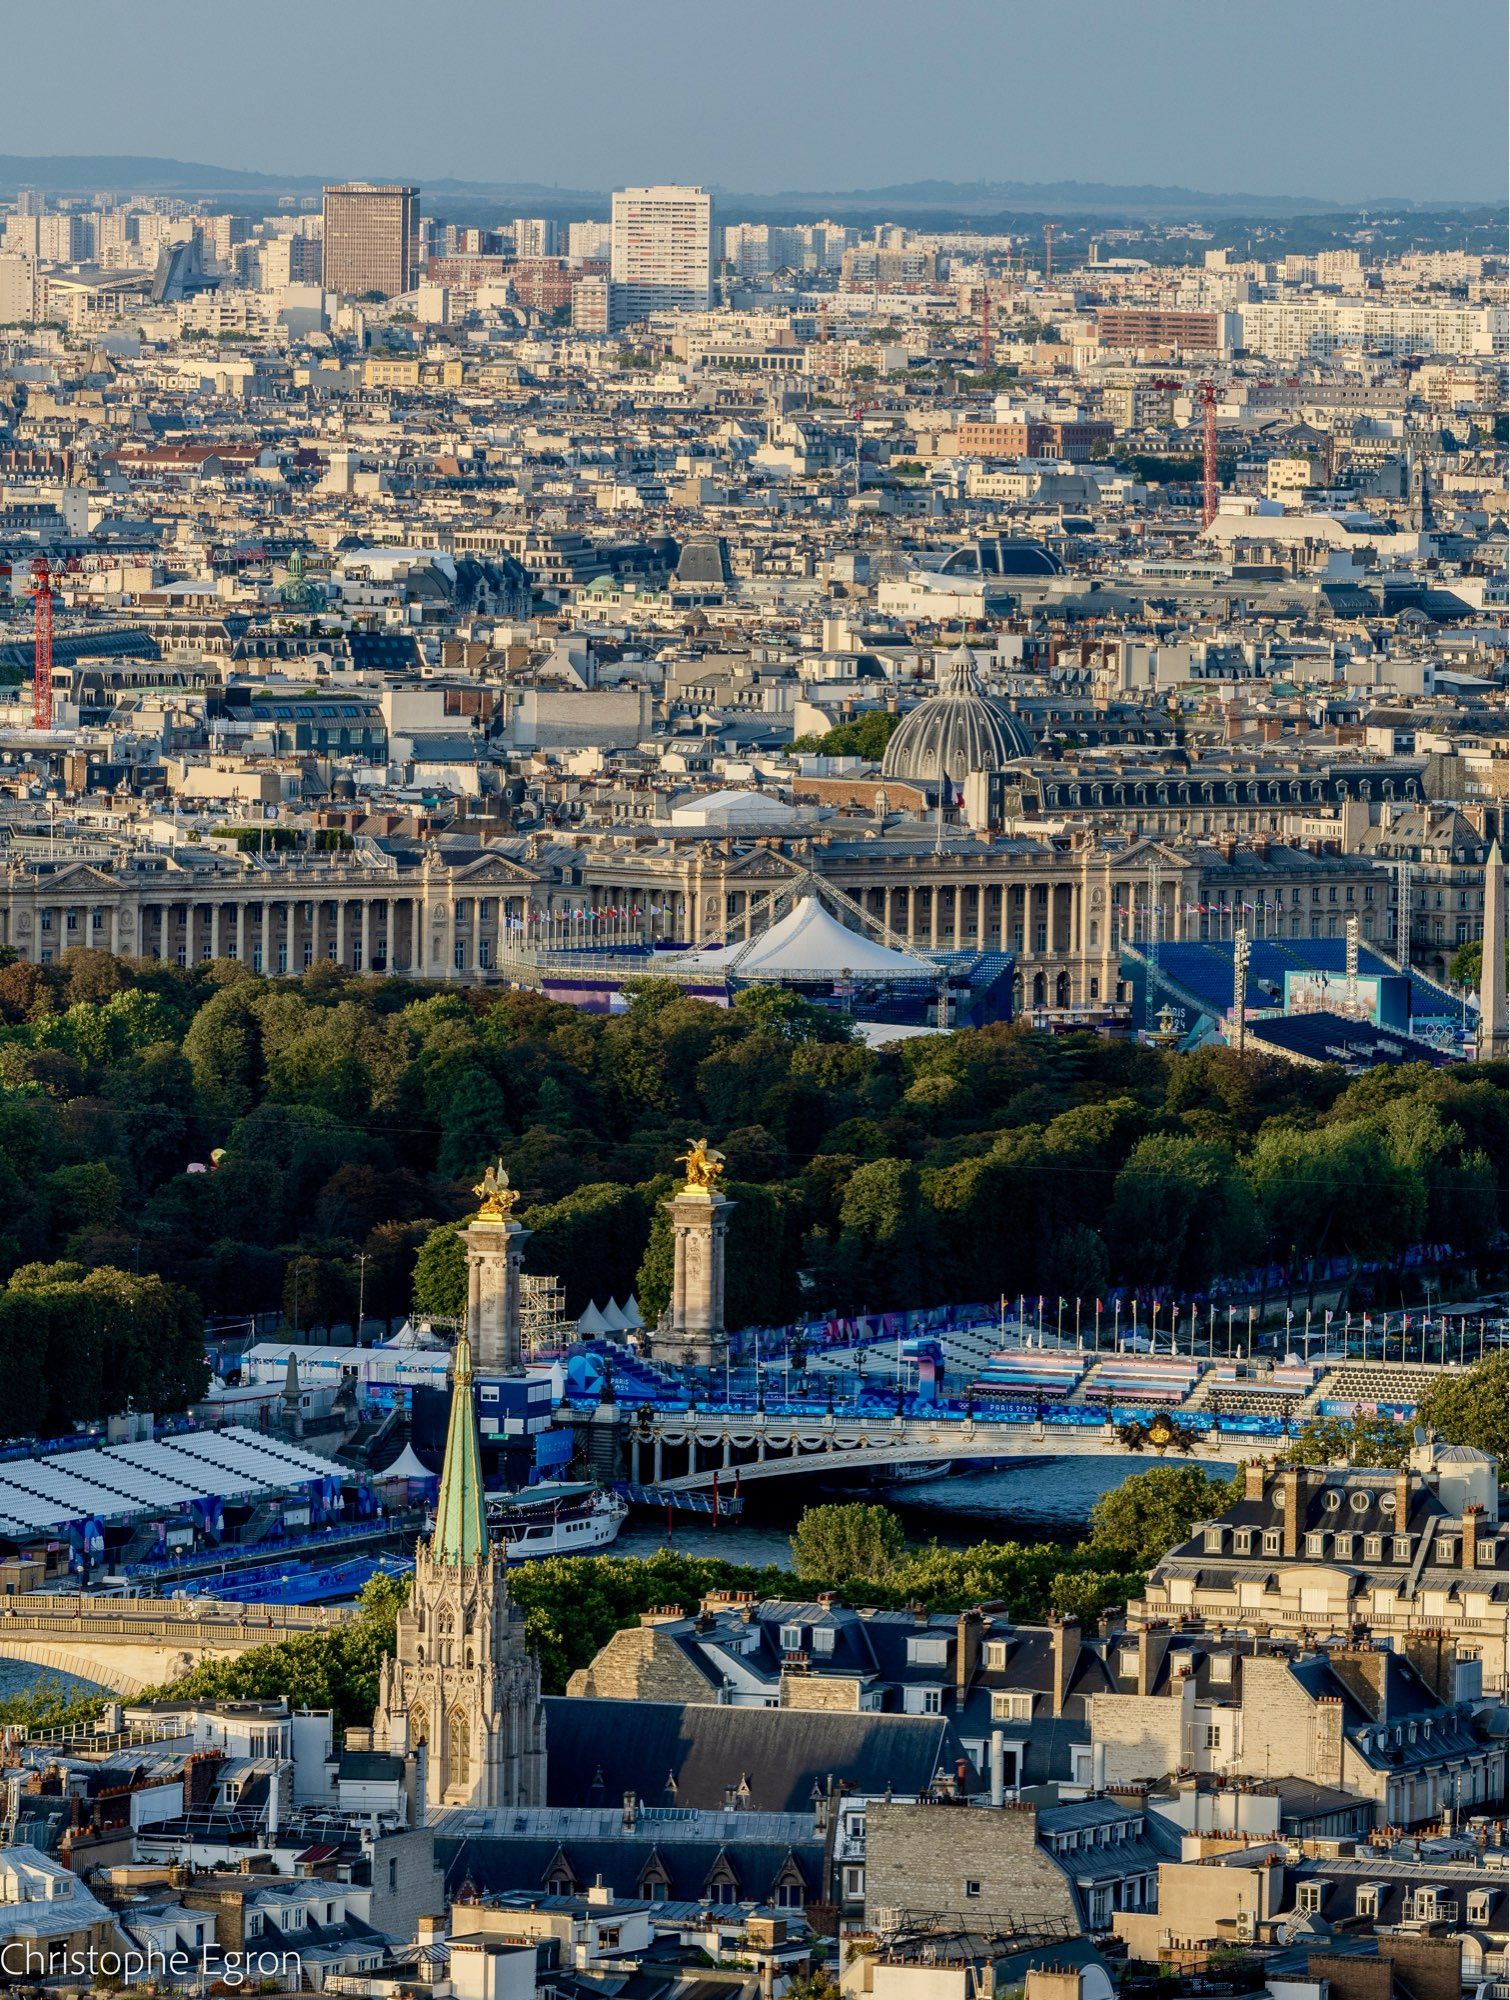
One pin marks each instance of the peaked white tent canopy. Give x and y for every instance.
(408, 1465)
(808, 943)
(613, 1317)
(591, 1323)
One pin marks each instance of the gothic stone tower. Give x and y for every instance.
(461, 1681)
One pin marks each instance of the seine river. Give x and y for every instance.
(1037, 1502)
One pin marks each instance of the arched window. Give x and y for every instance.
(459, 1752)
(419, 1726)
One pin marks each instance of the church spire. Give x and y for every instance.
(461, 1523)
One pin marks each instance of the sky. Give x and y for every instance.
(1347, 100)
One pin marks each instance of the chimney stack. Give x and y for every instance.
(1473, 1516)
(998, 1768)
(1290, 1486)
(966, 1653)
(1402, 1500)
(1064, 1641)
(1153, 1644)
(1255, 1473)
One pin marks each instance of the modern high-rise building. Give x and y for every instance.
(370, 239)
(536, 236)
(662, 253)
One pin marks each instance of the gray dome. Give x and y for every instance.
(956, 731)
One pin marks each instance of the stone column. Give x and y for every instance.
(366, 934)
(189, 933)
(495, 1249)
(695, 1336)
(288, 938)
(215, 930)
(341, 934)
(241, 933)
(267, 938)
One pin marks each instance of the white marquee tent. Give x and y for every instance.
(808, 944)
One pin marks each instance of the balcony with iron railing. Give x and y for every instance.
(1421, 1909)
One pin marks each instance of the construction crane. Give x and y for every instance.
(1050, 231)
(45, 573)
(1208, 452)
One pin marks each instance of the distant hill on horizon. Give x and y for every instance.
(128, 173)
(1089, 197)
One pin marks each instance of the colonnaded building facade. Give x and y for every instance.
(461, 907)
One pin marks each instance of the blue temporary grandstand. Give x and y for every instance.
(1298, 1003)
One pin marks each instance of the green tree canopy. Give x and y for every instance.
(1469, 1406)
(838, 1544)
(1152, 1512)
(1358, 1440)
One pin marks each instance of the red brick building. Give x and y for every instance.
(1021, 437)
(1147, 326)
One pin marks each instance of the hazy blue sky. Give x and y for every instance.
(1344, 99)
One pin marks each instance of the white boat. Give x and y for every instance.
(557, 1520)
(915, 1470)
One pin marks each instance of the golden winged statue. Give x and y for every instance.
(703, 1165)
(497, 1198)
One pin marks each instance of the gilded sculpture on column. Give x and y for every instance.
(703, 1165)
(496, 1196)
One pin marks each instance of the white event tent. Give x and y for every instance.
(808, 944)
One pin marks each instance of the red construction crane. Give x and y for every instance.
(42, 574)
(1050, 231)
(45, 572)
(1208, 453)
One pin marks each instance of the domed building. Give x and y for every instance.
(958, 730)
(1001, 555)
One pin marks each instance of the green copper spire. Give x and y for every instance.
(461, 1522)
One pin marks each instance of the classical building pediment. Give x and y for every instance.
(496, 871)
(79, 878)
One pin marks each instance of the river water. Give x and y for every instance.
(1041, 1502)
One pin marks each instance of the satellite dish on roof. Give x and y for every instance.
(1419, 1435)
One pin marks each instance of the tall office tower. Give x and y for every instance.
(536, 236)
(370, 237)
(662, 253)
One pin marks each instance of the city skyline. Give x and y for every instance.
(824, 104)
